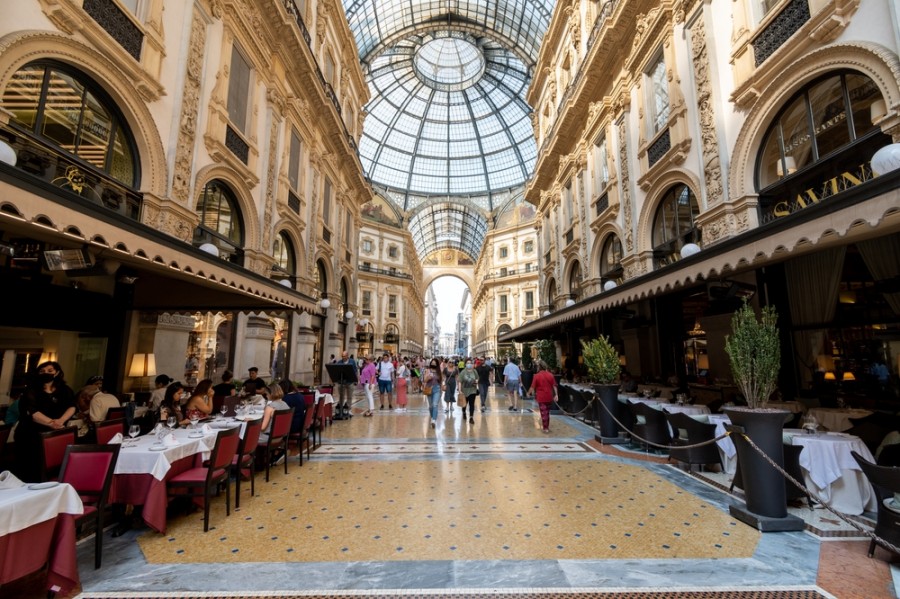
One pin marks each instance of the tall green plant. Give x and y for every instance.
(601, 359)
(547, 352)
(755, 353)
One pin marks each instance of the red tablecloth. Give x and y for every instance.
(27, 550)
(147, 491)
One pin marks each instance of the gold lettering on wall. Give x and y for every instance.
(827, 189)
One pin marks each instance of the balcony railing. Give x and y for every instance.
(80, 178)
(293, 202)
(117, 24)
(602, 204)
(659, 147)
(236, 144)
(787, 23)
(384, 271)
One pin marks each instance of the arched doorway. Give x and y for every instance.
(448, 317)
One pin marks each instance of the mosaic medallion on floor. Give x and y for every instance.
(458, 510)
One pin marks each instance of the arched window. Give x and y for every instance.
(674, 224)
(822, 119)
(551, 290)
(345, 298)
(575, 281)
(283, 252)
(611, 259)
(65, 109)
(321, 278)
(220, 221)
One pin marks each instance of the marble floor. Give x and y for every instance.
(389, 506)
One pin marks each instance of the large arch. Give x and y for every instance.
(873, 60)
(603, 233)
(289, 226)
(20, 48)
(675, 176)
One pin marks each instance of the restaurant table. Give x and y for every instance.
(831, 472)
(837, 419)
(727, 450)
(37, 527)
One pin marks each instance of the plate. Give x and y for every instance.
(157, 448)
(47, 485)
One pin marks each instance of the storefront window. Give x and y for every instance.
(283, 252)
(65, 108)
(822, 119)
(674, 224)
(611, 258)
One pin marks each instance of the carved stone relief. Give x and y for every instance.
(626, 191)
(271, 172)
(712, 169)
(187, 130)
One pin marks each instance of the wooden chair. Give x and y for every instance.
(886, 480)
(278, 437)
(89, 469)
(107, 429)
(243, 459)
(318, 423)
(53, 451)
(205, 480)
(302, 437)
(689, 431)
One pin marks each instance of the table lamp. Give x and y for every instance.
(142, 366)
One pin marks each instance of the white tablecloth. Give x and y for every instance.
(675, 409)
(791, 406)
(136, 457)
(727, 450)
(830, 471)
(837, 419)
(644, 400)
(24, 507)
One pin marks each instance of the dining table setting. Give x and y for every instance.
(146, 462)
(37, 527)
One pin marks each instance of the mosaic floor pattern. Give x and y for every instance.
(460, 510)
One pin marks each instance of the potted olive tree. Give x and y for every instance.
(602, 361)
(755, 354)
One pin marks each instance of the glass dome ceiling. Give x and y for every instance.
(448, 79)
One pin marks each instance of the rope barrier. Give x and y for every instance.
(810, 494)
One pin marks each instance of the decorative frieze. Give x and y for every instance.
(187, 128)
(712, 169)
(626, 184)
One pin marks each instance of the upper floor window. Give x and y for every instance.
(366, 301)
(326, 202)
(675, 224)
(504, 252)
(767, 5)
(283, 252)
(823, 119)
(329, 68)
(65, 108)
(238, 90)
(601, 167)
(504, 304)
(294, 161)
(367, 246)
(393, 251)
(658, 99)
(392, 305)
(529, 300)
(528, 246)
(611, 258)
(220, 220)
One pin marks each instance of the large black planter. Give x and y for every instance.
(527, 377)
(764, 486)
(611, 406)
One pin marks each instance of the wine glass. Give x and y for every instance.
(134, 430)
(172, 422)
(195, 418)
(810, 424)
(223, 410)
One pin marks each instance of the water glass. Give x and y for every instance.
(194, 420)
(133, 431)
(172, 422)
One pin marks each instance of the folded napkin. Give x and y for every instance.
(116, 439)
(158, 428)
(170, 440)
(206, 429)
(8, 480)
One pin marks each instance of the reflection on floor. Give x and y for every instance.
(476, 509)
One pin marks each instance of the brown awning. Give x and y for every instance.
(863, 212)
(170, 275)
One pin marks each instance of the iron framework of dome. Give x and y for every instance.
(448, 80)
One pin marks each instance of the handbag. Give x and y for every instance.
(461, 400)
(426, 389)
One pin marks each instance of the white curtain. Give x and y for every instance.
(882, 258)
(813, 283)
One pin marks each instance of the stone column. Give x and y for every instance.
(257, 334)
(170, 338)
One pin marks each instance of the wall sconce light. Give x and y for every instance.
(48, 356)
(609, 285)
(363, 322)
(570, 302)
(210, 249)
(285, 283)
(689, 249)
(7, 154)
(546, 313)
(848, 377)
(348, 315)
(886, 159)
(325, 303)
(829, 376)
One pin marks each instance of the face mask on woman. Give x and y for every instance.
(46, 377)
(468, 366)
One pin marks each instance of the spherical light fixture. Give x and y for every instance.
(348, 315)
(886, 159)
(363, 322)
(285, 283)
(546, 313)
(570, 302)
(210, 249)
(609, 285)
(689, 249)
(7, 154)
(325, 303)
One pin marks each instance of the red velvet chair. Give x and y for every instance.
(53, 451)
(243, 459)
(302, 437)
(278, 437)
(115, 413)
(107, 429)
(89, 469)
(204, 480)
